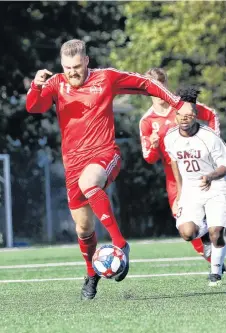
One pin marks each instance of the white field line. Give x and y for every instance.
(74, 246)
(81, 278)
(82, 263)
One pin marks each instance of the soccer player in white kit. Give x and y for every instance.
(198, 158)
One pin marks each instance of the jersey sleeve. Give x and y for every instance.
(139, 84)
(151, 155)
(40, 99)
(168, 147)
(210, 116)
(218, 152)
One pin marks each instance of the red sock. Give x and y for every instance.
(198, 246)
(101, 206)
(88, 248)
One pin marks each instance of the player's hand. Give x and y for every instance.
(41, 77)
(175, 207)
(154, 140)
(205, 183)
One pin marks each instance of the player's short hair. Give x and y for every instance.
(157, 74)
(73, 47)
(188, 94)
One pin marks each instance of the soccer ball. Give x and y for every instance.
(109, 261)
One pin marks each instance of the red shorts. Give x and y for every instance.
(110, 161)
(171, 188)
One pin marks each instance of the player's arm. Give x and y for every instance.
(139, 84)
(150, 153)
(177, 177)
(218, 154)
(209, 115)
(40, 95)
(168, 144)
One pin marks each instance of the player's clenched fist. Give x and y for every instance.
(41, 76)
(154, 140)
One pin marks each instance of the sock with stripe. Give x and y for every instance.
(88, 247)
(101, 206)
(217, 259)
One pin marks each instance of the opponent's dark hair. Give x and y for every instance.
(188, 94)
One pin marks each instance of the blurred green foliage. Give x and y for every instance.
(187, 38)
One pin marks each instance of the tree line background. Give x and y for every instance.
(186, 38)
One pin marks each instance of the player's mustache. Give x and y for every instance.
(75, 76)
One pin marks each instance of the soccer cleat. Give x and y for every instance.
(89, 288)
(223, 269)
(126, 250)
(214, 280)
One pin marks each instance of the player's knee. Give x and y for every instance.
(93, 175)
(217, 236)
(187, 231)
(84, 221)
(187, 237)
(84, 230)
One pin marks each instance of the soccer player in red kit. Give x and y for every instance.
(91, 158)
(153, 127)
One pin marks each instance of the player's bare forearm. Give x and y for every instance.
(177, 177)
(219, 173)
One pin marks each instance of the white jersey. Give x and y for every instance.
(197, 155)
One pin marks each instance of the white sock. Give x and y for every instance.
(202, 230)
(217, 259)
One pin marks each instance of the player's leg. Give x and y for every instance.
(190, 219)
(216, 220)
(100, 172)
(85, 228)
(201, 245)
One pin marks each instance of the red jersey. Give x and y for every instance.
(85, 113)
(154, 121)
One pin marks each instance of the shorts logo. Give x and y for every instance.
(179, 212)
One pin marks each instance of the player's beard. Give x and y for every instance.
(77, 80)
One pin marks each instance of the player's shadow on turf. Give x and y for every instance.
(133, 297)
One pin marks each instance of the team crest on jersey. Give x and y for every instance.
(167, 122)
(96, 89)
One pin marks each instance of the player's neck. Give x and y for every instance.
(191, 132)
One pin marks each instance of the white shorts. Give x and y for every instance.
(195, 208)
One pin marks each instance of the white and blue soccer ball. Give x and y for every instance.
(109, 261)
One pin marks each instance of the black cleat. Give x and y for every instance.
(223, 270)
(89, 288)
(214, 280)
(126, 250)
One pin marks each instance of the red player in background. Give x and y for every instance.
(153, 127)
(91, 158)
